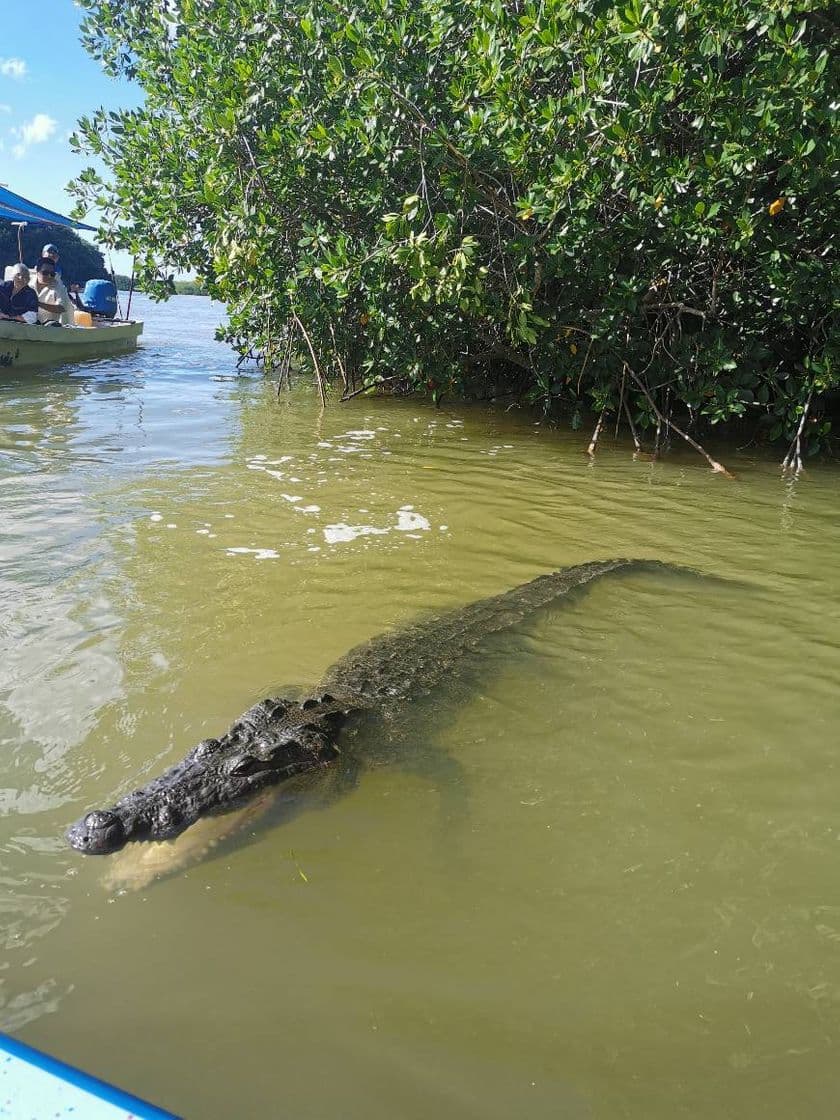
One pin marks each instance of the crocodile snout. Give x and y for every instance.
(98, 833)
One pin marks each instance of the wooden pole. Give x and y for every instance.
(130, 292)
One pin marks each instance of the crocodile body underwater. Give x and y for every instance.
(278, 739)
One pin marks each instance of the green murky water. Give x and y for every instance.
(601, 882)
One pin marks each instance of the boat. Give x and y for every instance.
(34, 1084)
(22, 345)
(39, 345)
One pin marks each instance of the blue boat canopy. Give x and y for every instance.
(15, 208)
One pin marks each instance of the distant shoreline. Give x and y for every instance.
(182, 288)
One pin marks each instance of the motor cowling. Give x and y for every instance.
(100, 298)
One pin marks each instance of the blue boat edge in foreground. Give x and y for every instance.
(30, 1070)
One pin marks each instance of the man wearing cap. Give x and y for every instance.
(59, 294)
(51, 251)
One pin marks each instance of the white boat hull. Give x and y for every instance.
(22, 345)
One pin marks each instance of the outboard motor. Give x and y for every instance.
(100, 298)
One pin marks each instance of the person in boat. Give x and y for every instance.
(75, 294)
(51, 251)
(18, 301)
(53, 301)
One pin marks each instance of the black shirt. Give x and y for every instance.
(16, 303)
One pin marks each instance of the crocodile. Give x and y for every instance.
(278, 739)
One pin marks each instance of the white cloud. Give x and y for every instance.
(5, 108)
(36, 131)
(12, 67)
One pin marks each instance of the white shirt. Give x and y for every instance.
(55, 292)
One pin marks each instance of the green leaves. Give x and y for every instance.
(439, 191)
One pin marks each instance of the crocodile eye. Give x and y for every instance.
(206, 748)
(243, 765)
(264, 749)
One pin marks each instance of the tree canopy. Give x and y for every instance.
(618, 209)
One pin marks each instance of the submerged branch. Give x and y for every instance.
(367, 388)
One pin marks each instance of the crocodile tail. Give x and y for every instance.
(503, 610)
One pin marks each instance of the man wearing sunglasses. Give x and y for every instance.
(53, 302)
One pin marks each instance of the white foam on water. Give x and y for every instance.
(408, 521)
(333, 534)
(257, 553)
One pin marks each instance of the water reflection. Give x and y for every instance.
(32, 906)
(19, 1008)
(44, 414)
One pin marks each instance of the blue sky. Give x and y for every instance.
(47, 82)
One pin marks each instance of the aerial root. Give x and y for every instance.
(719, 468)
(286, 365)
(319, 376)
(636, 441)
(792, 462)
(596, 435)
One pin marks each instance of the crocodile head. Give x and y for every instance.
(273, 741)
